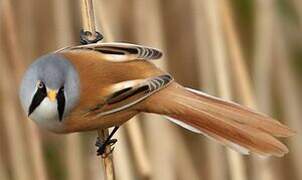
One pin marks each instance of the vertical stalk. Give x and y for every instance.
(265, 21)
(124, 167)
(16, 143)
(244, 86)
(139, 149)
(236, 163)
(148, 29)
(298, 6)
(217, 167)
(18, 64)
(88, 19)
(147, 15)
(263, 68)
(290, 96)
(108, 159)
(89, 25)
(105, 18)
(132, 127)
(3, 172)
(73, 148)
(243, 81)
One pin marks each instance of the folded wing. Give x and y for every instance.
(119, 52)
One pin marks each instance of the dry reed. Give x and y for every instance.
(236, 163)
(217, 170)
(16, 142)
(124, 168)
(89, 25)
(148, 15)
(31, 131)
(133, 127)
(243, 82)
(73, 148)
(289, 95)
(298, 7)
(203, 44)
(3, 172)
(157, 129)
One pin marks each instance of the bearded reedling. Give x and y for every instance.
(88, 87)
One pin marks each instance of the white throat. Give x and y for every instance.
(46, 114)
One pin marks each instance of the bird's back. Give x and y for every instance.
(100, 76)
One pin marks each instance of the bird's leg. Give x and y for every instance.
(85, 37)
(102, 145)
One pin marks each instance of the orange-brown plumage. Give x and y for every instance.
(98, 79)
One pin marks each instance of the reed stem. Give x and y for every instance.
(236, 163)
(31, 132)
(89, 25)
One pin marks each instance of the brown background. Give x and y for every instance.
(244, 50)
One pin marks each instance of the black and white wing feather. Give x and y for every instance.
(130, 93)
(118, 52)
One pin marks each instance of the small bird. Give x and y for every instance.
(101, 85)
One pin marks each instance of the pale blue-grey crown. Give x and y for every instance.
(54, 71)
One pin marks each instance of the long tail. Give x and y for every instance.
(229, 123)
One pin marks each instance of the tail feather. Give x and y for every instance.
(211, 136)
(231, 124)
(241, 114)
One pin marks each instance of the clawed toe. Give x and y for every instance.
(108, 142)
(102, 146)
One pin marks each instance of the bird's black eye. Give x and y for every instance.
(38, 97)
(41, 85)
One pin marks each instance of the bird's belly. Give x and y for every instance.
(76, 122)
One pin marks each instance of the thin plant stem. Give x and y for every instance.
(73, 153)
(133, 127)
(236, 163)
(35, 149)
(298, 6)
(164, 131)
(124, 168)
(88, 18)
(236, 56)
(263, 68)
(16, 143)
(90, 25)
(289, 94)
(138, 146)
(243, 83)
(217, 167)
(3, 172)
(108, 159)
(157, 130)
(263, 52)
(148, 15)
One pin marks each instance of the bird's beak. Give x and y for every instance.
(52, 95)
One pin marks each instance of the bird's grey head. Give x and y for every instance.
(49, 90)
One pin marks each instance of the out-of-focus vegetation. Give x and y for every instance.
(259, 41)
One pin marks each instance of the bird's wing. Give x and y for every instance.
(119, 52)
(128, 93)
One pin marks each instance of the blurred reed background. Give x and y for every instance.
(244, 50)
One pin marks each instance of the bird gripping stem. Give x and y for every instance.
(90, 35)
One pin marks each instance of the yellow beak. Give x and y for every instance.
(52, 95)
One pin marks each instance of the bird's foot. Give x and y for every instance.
(86, 37)
(102, 146)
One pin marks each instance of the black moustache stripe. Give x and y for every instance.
(61, 103)
(37, 99)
